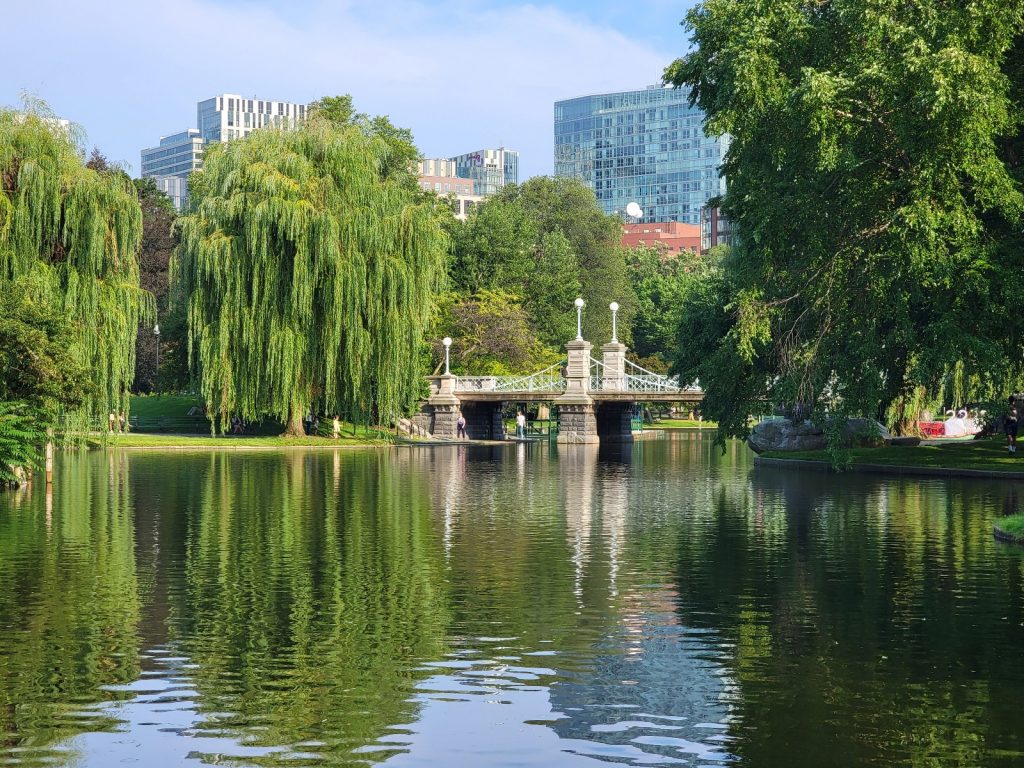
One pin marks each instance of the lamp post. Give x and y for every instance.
(156, 333)
(579, 318)
(614, 307)
(447, 341)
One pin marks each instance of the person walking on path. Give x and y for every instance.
(1010, 425)
(461, 427)
(520, 424)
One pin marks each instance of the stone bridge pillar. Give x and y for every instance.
(576, 420)
(446, 408)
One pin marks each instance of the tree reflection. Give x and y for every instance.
(310, 600)
(872, 618)
(69, 604)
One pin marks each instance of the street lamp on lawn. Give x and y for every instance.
(156, 333)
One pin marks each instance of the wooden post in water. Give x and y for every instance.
(49, 456)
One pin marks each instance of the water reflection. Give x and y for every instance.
(537, 605)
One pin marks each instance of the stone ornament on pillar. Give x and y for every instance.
(446, 407)
(576, 420)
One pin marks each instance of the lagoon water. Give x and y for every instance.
(514, 606)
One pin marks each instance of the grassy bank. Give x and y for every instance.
(681, 424)
(363, 437)
(1010, 529)
(987, 455)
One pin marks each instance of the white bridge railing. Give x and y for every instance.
(548, 380)
(552, 380)
(638, 379)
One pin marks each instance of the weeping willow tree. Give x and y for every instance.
(309, 276)
(69, 239)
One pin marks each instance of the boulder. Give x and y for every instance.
(783, 434)
(865, 433)
(780, 434)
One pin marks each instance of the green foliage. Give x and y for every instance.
(494, 334)
(875, 183)
(70, 236)
(39, 364)
(547, 242)
(399, 153)
(159, 239)
(500, 248)
(309, 276)
(20, 438)
(568, 207)
(661, 284)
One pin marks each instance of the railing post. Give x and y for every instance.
(577, 369)
(613, 356)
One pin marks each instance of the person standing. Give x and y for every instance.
(460, 426)
(520, 424)
(1010, 425)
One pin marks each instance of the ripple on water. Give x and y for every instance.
(390, 607)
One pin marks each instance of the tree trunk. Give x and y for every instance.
(295, 426)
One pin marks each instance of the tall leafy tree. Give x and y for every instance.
(309, 275)
(500, 248)
(69, 236)
(158, 243)
(874, 179)
(568, 207)
(661, 284)
(494, 335)
(399, 153)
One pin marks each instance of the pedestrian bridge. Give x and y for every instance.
(633, 384)
(594, 398)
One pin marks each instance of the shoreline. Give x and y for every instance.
(888, 469)
(189, 443)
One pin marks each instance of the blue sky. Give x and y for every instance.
(462, 74)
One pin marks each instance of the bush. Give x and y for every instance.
(20, 439)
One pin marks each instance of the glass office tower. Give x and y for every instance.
(170, 163)
(646, 147)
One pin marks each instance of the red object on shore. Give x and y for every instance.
(932, 428)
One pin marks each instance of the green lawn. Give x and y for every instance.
(681, 424)
(988, 454)
(363, 437)
(169, 406)
(1013, 525)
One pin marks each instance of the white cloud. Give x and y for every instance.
(463, 74)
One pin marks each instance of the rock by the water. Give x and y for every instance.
(779, 434)
(782, 434)
(865, 433)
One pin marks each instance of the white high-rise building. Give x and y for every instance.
(230, 116)
(222, 118)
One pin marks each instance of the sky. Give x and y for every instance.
(462, 74)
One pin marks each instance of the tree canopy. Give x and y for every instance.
(875, 182)
(546, 241)
(309, 275)
(69, 239)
